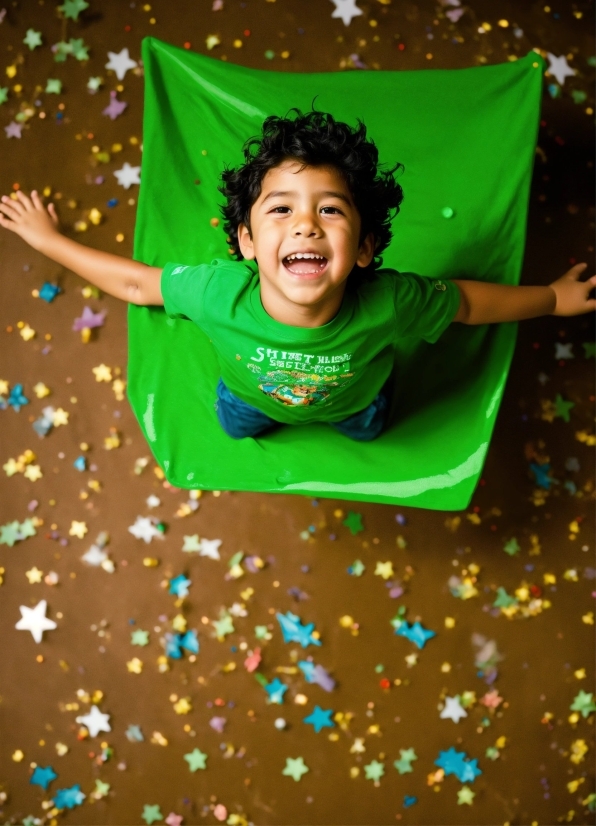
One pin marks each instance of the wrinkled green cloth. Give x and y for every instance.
(467, 139)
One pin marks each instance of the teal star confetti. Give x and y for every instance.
(455, 762)
(134, 734)
(320, 719)
(562, 408)
(43, 777)
(276, 690)
(3, 94)
(294, 631)
(511, 547)
(27, 528)
(356, 568)
(415, 633)
(151, 814)
(179, 586)
(503, 599)
(72, 8)
(543, 480)
(69, 798)
(584, 703)
(223, 626)
(32, 39)
(374, 770)
(295, 767)
(353, 522)
(404, 764)
(54, 86)
(9, 534)
(139, 637)
(589, 346)
(196, 759)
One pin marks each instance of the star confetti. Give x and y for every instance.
(35, 620)
(295, 767)
(294, 631)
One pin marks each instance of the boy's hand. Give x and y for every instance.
(572, 294)
(29, 218)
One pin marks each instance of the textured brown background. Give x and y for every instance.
(528, 782)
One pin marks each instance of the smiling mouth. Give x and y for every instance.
(305, 267)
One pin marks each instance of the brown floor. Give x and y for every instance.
(546, 659)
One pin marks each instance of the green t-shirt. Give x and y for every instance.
(305, 374)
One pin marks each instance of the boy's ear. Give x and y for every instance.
(245, 242)
(366, 251)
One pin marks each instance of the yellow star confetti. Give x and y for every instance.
(33, 472)
(17, 756)
(158, 739)
(113, 440)
(384, 569)
(179, 624)
(41, 391)
(78, 529)
(134, 666)
(34, 575)
(102, 373)
(578, 749)
(449, 622)
(61, 749)
(211, 41)
(4, 385)
(183, 706)
(60, 417)
(573, 785)
(588, 618)
(411, 659)
(11, 467)
(27, 333)
(358, 746)
(119, 386)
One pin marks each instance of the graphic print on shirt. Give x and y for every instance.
(299, 379)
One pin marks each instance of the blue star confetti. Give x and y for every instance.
(415, 633)
(457, 763)
(320, 719)
(294, 631)
(276, 691)
(69, 798)
(179, 586)
(16, 398)
(43, 777)
(49, 292)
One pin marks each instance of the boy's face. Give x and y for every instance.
(303, 211)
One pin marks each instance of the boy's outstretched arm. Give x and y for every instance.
(122, 277)
(487, 303)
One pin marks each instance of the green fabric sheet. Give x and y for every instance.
(467, 139)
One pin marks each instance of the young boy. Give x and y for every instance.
(304, 320)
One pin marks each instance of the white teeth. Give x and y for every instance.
(304, 255)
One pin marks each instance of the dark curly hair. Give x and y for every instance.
(316, 139)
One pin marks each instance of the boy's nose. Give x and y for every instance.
(305, 226)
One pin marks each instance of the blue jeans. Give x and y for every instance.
(240, 419)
